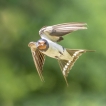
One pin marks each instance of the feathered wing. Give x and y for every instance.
(55, 32)
(66, 65)
(39, 59)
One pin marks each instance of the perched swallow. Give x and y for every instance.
(48, 45)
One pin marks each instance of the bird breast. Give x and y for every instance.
(57, 51)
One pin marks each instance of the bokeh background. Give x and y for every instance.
(20, 85)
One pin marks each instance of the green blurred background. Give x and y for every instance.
(20, 85)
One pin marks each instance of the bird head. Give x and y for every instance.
(42, 44)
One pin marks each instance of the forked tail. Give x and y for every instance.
(66, 65)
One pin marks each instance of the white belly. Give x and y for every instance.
(55, 50)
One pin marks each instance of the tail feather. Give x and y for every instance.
(66, 65)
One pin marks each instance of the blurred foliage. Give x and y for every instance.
(20, 21)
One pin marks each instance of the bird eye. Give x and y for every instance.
(39, 43)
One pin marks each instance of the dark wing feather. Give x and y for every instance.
(65, 28)
(55, 32)
(39, 59)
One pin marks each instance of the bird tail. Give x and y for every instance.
(66, 65)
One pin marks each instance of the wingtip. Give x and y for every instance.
(84, 27)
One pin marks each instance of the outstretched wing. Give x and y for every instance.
(55, 32)
(38, 57)
(66, 65)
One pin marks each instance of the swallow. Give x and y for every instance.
(48, 46)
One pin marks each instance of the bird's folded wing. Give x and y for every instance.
(39, 59)
(55, 32)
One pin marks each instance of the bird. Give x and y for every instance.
(48, 46)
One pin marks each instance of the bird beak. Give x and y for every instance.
(40, 44)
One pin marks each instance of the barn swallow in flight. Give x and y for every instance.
(48, 45)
